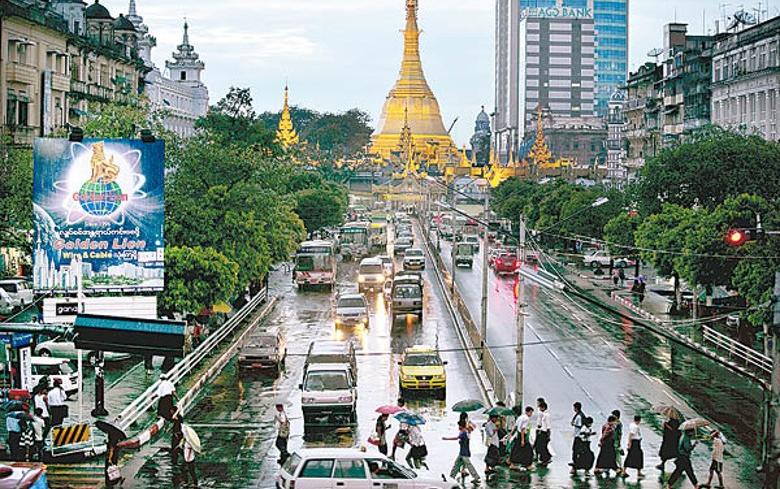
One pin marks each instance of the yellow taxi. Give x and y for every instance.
(423, 369)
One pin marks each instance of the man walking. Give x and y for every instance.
(577, 422)
(543, 427)
(282, 432)
(166, 392)
(683, 462)
(464, 453)
(40, 402)
(57, 407)
(618, 442)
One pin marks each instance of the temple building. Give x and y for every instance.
(412, 103)
(285, 133)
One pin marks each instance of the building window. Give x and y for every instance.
(23, 109)
(183, 75)
(21, 54)
(10, 110)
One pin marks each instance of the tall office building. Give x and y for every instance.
(545, 58)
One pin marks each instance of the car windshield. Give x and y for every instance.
(414, 253)
(371, 269)
(426, 360)
(387, 469)
(407, 292)
(264, 341)
(326, 381)
(351, 302)
(404, 242)
(9, 287)
(304, 263)
(292, 463)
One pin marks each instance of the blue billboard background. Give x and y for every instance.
(98, 211)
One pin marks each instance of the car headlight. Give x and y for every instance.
(406, 377)
(307, 400)
(361, 279)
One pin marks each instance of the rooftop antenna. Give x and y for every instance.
(655, 53)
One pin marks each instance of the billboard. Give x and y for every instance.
(98, 213)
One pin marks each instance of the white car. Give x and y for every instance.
(7, 303)
(19, 290)
(319, 468)
(55, 368)
(371, 275)
(601, 259)
(414, 259)
(352, 310)
(63, 347)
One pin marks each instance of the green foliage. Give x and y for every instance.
(620, 231)
(196, 278)
(233, 121)
(708, 169)
(321, 207)
(15, 197)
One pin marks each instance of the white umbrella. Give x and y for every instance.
(191, 437)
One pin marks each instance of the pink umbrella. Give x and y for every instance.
(388, 409)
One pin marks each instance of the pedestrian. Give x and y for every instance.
(615, 277)
(189, 462)
(27, 440)
(282, 432)
(57, 407)
(464, 453)
(380, 433)
(635, 458)
(622, 276)
(166, 393)
(41, 402)
(542, 442)
(583, 455)
(683, 461)
(607, 459)
(635, 292)
(522, 453)
(197, 330)
(400, 438)
(177, 435)
(577, 422)
(469, 425)
(618, 441)
(14, 428)
(492, 442)
(670, 440)
(38, 425)
(415, 458)
(716, 467)
(641, 290)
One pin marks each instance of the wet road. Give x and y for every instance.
(581, 354)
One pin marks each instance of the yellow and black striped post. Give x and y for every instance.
(71, 434)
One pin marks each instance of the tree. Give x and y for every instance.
(16, 165)
(320, 208)
(620, 231)
(709, 168)
(196, 278)
(233, 121)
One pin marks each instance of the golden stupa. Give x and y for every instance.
(412, 102)
(285, 133)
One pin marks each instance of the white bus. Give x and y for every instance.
(353, 240)
(315, 264)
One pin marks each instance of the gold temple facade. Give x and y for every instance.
(285, 133)
(411, 109)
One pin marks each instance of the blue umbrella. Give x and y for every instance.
(410, 418)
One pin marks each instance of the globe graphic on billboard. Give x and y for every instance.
(100, 199)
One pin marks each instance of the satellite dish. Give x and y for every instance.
(745, 17)
(655, 53)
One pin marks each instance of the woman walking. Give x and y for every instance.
(381, 433)
(583, 455)
(671, 438)
(635, 459)
(522, 452)
(607, 459)
(417, 449)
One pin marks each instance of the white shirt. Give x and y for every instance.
(40, 402)
(544, 421)
(634, 433)
(717, 449)
(577, 421)
(282, 424)
(491, 433)
(522, 423)
(37, 425)
(57, 397)
(415, 436)
(166, 388)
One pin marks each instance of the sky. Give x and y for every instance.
(340, 54)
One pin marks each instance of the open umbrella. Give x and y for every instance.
(499, 411)
(670, 412)
(468, 406)
(410, 418)
(191, 437)
(115, 433)
(389, 409)
(693, 424)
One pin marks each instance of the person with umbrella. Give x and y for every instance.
(491, 440)
(380, 432)
(464, 453)
(400, 438)
(685, 448)
(415, 458)
(115, 435)
(522, 452)
(166, 392)
(191, 447)
(671, 435)
(716, 467)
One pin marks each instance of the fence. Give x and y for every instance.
(736, 351)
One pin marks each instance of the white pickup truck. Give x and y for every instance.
(601, 258)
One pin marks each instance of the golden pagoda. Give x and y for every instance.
(412, 101)
(285, 134)
(540, 154)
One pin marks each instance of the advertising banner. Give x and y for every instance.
(25, 367)
(98, 213)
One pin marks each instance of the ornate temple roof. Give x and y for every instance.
(285, 133)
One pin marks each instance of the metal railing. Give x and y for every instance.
(736, 351)
(145, 401)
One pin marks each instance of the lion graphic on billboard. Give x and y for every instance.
(104, 170)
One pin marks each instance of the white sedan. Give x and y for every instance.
(63, 347)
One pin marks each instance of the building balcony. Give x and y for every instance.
(636, 103)
(90, 91)
(18, 135)
(20, 73)
(671, 100)
(61, 83)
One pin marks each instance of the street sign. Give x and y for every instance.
(63, 310)
(70, 434)
(16, 340)
(130, 335)
(25, 367)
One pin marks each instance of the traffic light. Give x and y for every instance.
(739, 236)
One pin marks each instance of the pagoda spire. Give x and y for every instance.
(285, 133)
(185, 41)
(131, 11)
(540, 154)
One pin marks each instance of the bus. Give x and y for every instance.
(353, 240)
(315, 264)
(377, 236)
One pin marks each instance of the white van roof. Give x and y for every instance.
(49, 360)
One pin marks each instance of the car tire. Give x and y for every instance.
(441, 394)
(594, 265)
(44, 353)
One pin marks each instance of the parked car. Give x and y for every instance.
(55, 368)
(601, 259)
(265, 349)
(319, 468)
(8, 303)
(414, 259)
(505, 263)
(422, 369)
(401, 245)
(19, 290)
(352, 310)
(371, 275)
(63, 347)
(329, 394)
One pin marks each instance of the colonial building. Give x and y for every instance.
(617, 174)
(55, 58)
(180, 94)
(746, 79)
(412, 102)
(480, 140)
(642, 110)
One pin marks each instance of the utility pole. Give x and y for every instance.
(772, 462)
(520, 321)
(484, 303)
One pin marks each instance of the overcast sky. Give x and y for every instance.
(339, 54)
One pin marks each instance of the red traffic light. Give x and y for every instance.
(736, 237)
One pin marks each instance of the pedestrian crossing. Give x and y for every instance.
(75, 476)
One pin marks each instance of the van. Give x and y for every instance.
(371, 275)
(331, 351)
(19, 290)
(329, 394)
(407, 295)
(266, 349)
(55, 368)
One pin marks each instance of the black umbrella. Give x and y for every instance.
(115, 433)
